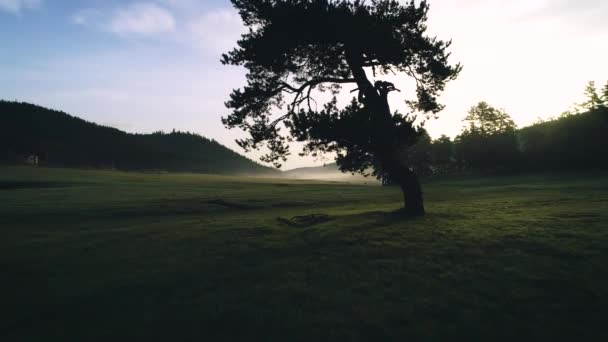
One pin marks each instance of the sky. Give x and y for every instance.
(145, 66)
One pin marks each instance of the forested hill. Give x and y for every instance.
(63, 140)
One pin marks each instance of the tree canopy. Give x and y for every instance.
(594, 100)
(488, 140)
(297, 48)
(487, 120)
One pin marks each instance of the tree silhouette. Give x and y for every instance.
(296, 49)
(489, 140)
(442, 150)
(605, 94)
(419, 154)
(594, 100)
(574, 142)
(485, 119)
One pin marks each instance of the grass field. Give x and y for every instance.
(109, 256)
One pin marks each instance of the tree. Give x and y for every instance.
(489, 140)
(594, 101)
(567, 143)
(488, 120)
(442, 150)
(296, 49)
(419, 154)
(605, 94)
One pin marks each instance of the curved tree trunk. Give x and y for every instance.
(412, 194)
(375, 99)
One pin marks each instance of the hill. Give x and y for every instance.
(59, 139)
(326, 172)
(572, 142)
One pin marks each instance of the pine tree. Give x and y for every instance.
(594, 101)
(487, 120)
(296, 49)
(605, 94)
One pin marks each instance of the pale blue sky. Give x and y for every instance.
(143, 66)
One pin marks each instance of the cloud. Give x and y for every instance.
(217, 31)
(576, 7)
(16, 6)
(181, 21)
(581, 14)
(183, 4)
(87, 17)
(141, 19)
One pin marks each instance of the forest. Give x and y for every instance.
(62, 140)
(490, 142)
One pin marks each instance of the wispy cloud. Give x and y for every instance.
(87, 17)
(216, 31)
(183, 4)
(16, 6)
(582, 13)
(139, 19)
(182, 21)
(142, 19)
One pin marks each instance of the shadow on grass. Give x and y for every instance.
(399, 215)
(305, 220)
(15, 185)
(376, 218)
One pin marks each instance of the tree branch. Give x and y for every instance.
(316, 82)
(299, 98)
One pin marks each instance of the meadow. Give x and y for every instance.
(112, 256)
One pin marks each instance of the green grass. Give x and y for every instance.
(108, 256)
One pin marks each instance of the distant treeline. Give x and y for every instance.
(58, 139)
(490, 141)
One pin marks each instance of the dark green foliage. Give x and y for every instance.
(419, 156)
(568, 143)
(346, 133)
(571, 142)
(442, 150)
(487, 120)
(594, 100)
(496, 152)
(442, 156)
(63, 140)
(296, 48)
(574, 141)
(489, 141)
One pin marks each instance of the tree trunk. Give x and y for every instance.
(375, 99)
(412, 194)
